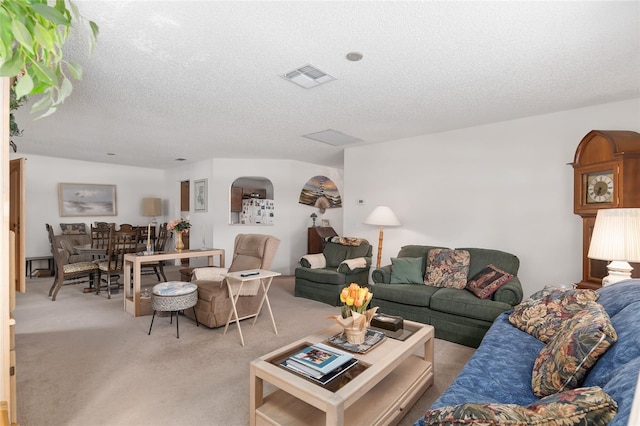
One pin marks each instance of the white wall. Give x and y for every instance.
(291, 218)
(42, 175)
(504, 186)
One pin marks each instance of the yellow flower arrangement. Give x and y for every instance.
(355, 299)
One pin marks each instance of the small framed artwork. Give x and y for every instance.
(325, 223)
(82, 199)
(200, 195)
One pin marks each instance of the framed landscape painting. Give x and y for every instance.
(81, 199)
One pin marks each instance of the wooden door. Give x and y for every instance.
(185, 197)
(7, 351)
(16, 219)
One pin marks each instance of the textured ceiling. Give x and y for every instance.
(201, 79)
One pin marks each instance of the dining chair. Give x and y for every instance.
(157, 267)
(127, 227)
(100, 239)
(120, 243)
(147, 232)
(76, 272)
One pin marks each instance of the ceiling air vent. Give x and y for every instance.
(308, 76)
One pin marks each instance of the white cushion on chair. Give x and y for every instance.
(209, 274)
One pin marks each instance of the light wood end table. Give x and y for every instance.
(390, 379)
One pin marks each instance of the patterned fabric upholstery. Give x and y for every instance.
(73, 228)
(564, 362)
(447, 268)
(70, 268)
(347, 241)
(543, 314)
(487, 281)
(584, 406)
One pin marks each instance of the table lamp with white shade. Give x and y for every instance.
(616, 238)
(381, 216)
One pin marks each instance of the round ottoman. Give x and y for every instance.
(174, 296)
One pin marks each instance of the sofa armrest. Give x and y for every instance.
(382, 275)
(344, 268)
(510, 293)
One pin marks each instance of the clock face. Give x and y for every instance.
(600, 188)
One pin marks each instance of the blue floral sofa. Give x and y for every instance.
(500, 372)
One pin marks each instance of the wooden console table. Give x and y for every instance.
(132, 301)
(395, 375)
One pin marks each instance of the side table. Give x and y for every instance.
(239, 284)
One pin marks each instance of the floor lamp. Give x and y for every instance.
(616, 238)
(382, 216)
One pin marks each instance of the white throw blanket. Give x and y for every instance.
(358, 262)
(316, 261)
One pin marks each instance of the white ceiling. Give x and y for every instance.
(201, 79)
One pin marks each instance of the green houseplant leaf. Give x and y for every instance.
(32, 35)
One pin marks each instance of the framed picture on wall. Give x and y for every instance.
(200, 195)
(326, 223)
(83, 199)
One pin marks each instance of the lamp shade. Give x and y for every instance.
(151, 206)
(616, 235)
(383, 216)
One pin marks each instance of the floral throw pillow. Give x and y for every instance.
(487, 281)
(542, 317)
(585, 406)
(447, 268)
(564, 361)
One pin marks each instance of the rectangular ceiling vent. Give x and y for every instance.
(332, 137)
(308, 76)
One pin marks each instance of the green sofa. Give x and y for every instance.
(457, 315)
(324, 284)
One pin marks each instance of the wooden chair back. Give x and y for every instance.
(100, 236)
(161, 239)
(120, 243)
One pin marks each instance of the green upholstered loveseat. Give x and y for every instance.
(324, 284)
(456, 314)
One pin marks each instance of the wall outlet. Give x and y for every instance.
(361, 202)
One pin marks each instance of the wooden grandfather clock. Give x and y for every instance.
(606, 170)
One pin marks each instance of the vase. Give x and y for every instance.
(355, 335)
(179, 242)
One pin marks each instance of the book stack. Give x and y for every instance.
(320, 363)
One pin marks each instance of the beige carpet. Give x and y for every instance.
(82, 360)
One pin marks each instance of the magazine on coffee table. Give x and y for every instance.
(322, 379)
(319, 358)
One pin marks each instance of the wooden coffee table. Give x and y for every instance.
(380, 390)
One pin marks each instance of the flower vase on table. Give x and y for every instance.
(180, 226)
(355, 317)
